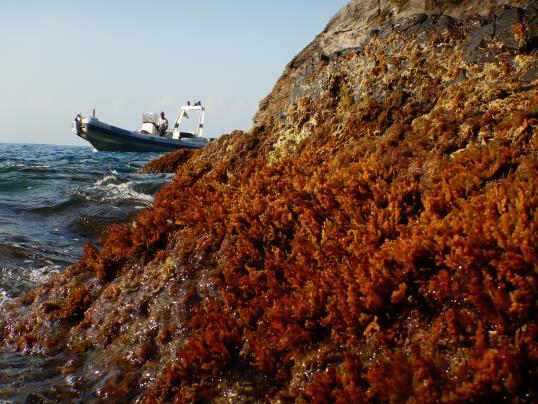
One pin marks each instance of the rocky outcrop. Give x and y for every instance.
(352, 29)
(168, 163)
(372, 238)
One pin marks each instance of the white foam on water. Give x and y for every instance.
(33, 275)
(111, 189)
(71, 380)
(23, 279)
(41, 275)
(125, 191)
(105, 180)
(4, 298)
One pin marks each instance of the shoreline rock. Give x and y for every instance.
(373, 237)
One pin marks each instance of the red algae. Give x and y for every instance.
(375, 241)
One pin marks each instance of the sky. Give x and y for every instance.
(123, 58)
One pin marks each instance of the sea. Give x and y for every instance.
(54, 200)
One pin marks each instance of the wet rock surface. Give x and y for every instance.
(372, 238)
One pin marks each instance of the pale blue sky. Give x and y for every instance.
(122, 58)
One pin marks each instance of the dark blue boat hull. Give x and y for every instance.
(104, 137)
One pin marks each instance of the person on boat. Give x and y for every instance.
(163, 125)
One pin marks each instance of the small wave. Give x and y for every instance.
(14, 185)
(28, 254)
(113, 189)
(54, 207)
(125, 191)
(88, 161)
(42, 168)
(106, 180)
(14, 250)
(15, 281)
(92, 226)
(11, 167)
(38, 166)
(41, 275)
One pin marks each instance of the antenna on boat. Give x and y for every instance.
(94, 112)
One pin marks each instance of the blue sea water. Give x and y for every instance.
(53, 200)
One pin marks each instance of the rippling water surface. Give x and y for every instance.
(53, 200)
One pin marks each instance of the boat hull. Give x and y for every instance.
(105, 137)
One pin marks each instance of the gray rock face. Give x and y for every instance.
(351, 26)
(495, 25)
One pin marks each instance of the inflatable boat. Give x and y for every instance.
(148, 138)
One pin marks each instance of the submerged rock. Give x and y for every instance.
(373, 237)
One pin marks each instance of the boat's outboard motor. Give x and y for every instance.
(77, 125)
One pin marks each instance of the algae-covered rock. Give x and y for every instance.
(372, 238)
(168, 163)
